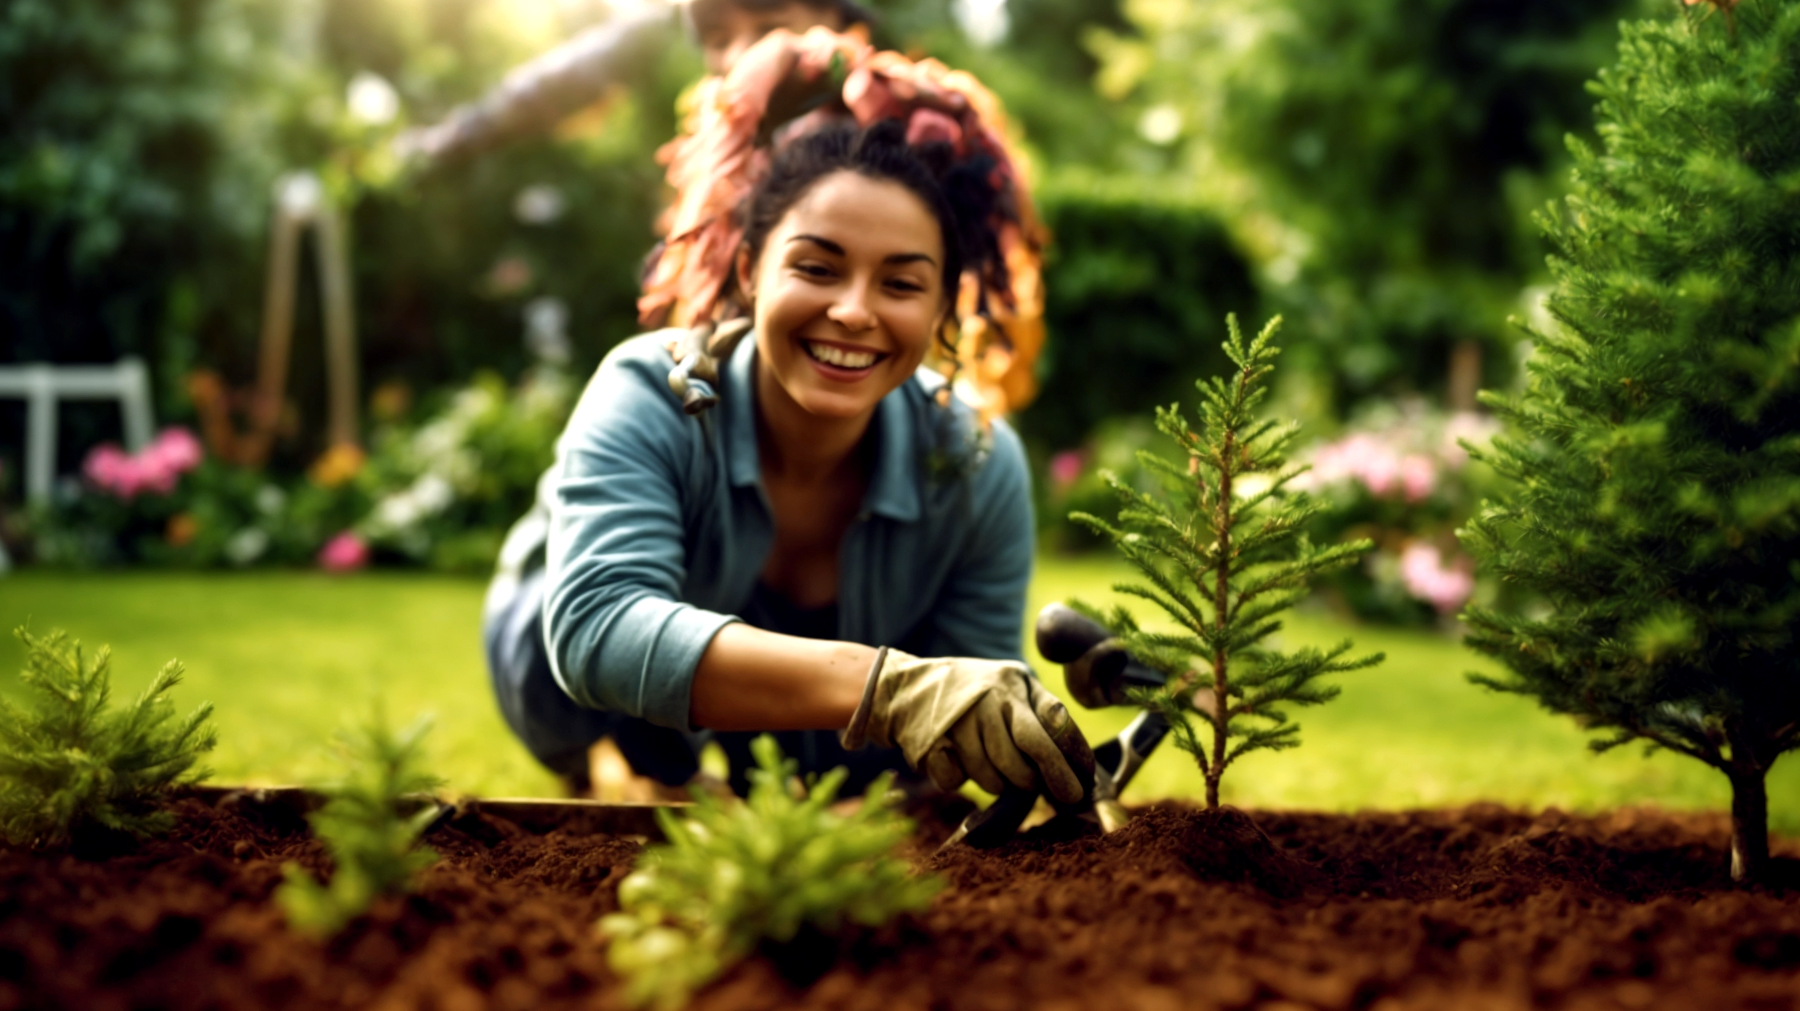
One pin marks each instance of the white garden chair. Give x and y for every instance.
(43, 386)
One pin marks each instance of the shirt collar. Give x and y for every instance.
(893, 485)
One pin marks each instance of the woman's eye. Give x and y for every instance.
(812, 270)
(905, 284)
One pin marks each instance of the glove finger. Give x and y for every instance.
(1002, 750)
(1065, 734)
(945, 771)
(972, 749)
(1059, 775)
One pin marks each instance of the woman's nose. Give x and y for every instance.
(851, 310)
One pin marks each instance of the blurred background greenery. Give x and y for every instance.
(1368, 168)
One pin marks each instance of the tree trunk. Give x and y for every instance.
(1212, 792)
(1465, 375)
(1749, 825)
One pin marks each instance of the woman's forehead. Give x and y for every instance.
(877, 216)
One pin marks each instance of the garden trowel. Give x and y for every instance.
(1099, 671)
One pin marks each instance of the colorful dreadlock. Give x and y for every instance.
(788, 84)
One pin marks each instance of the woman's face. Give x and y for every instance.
(847, 294)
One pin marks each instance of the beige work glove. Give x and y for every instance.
(958, 718)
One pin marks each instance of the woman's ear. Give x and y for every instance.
(746, 278)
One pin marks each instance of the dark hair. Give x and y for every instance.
(958, 194)
(702, 15)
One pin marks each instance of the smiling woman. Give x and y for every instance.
(797, 560)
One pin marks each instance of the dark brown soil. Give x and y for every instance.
(1475, 908)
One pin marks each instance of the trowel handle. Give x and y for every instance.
(997, 822)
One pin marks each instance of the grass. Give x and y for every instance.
(289, 658)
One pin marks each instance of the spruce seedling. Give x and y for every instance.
(1223, 554)
(66, 761)
(373, 845)
(1653, 460)
(733, 876)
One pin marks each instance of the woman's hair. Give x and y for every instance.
(953, 191)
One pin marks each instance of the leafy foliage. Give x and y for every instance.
(1652, 500)
(1378, 157)
(373, 846)
(1223, 554)
(66, 761)
(1135, 281)
(733, 876)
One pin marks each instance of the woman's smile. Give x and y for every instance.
(841, 362)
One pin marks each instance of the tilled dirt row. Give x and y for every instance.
(1474, 908)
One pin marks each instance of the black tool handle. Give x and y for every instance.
(997, 822)
(1065, 635)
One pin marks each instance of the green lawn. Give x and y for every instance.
(289, 657)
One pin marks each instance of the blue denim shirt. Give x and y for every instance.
(659, 528)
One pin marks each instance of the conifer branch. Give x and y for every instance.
(1221, 565)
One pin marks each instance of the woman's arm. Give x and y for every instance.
(749, 679)
(980, 611)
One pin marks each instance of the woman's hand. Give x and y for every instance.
(958, 718)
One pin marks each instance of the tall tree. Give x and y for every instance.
(1654, 459)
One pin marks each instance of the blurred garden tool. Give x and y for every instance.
(698, 353)
(1098, 672)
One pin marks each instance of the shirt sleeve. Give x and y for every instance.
(618, 636)
(981, 610)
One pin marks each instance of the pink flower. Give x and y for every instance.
(109, 469)
(1417, 475)
(1423, 573)
(1066, 468)
(156, 469)
(345, 552)
(177, 450)
(153, 474)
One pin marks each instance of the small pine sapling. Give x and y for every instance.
(67, 762)
(1653, 459)
(1223, 553)
(373, 845)
(734, 876)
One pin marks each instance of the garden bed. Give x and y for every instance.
(1478, 907)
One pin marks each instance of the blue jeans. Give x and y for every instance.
(558, 731)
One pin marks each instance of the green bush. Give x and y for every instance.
(144, 138)
(735, 876)
(67, 762)
(374, 847)
(1135, 282)
(1379, 158)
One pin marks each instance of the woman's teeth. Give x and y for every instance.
(839, 357)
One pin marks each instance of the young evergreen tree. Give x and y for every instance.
(1223, 554)
(1654, 458)
(70, 759)
(373, 841)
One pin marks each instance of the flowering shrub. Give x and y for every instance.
(1401, 478)
(155, 469)
(444, 493)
